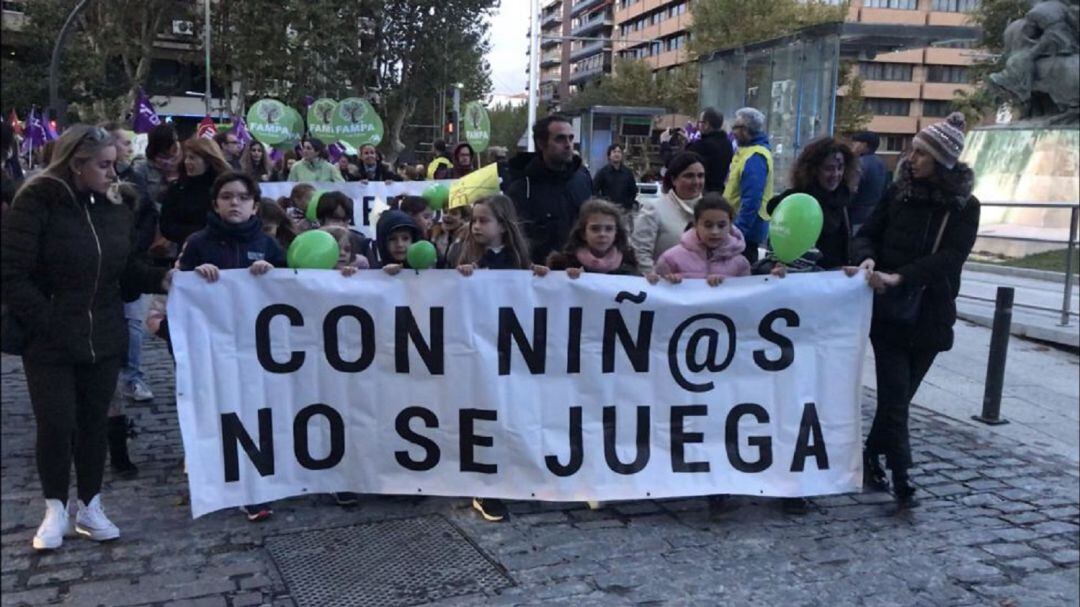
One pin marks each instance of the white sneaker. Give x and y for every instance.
(50, 534)
(138, 391)
(91, 522)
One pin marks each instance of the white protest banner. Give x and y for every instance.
(367, 196)
(513, 386)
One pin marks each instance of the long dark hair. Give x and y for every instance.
(816, 152)
(503, 210)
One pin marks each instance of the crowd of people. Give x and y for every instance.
(90, 244)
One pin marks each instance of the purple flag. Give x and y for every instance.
(276, 155)
(144, 118)
(334, 151)
(240, 130)
(35, 133)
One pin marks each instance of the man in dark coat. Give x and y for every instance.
(873, 180)
(715, 147)
(616, 181)
(548, 187)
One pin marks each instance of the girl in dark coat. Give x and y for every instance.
(917, 239)
(66, 254)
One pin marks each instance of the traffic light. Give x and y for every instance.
(450, 128)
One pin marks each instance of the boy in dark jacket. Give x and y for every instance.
(394, 233)
(233, 238)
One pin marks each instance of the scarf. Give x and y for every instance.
(688, 204)
(605, 265)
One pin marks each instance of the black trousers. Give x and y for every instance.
(70, 403)
(899, 370)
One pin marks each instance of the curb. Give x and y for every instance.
(1064, 336)
(993, 268)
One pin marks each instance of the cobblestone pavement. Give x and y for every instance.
(998, 526)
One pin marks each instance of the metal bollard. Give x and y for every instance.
(995, 364)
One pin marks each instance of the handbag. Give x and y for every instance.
(901, 305)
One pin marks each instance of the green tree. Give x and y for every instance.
(507, 125)
(634, 83)
(725, 23)
(851, 113)
(106, 59)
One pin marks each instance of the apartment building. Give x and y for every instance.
(905, 91)
(575, 46)
(908, 90)
(655, 31)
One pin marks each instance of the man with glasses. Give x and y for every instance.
(230, 146)
(548, 186)
(714, 147)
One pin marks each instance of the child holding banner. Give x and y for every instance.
(495, 242)
(394, 233)
(711, 249)
(233, 238)
(598, 243)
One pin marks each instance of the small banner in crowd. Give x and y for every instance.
(508, 385)
(271, 122)
(476, 126)
(320, 119)
(143, 116)
(356, 122)
(369, 199)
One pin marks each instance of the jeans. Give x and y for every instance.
(135, 313)
(899, 370)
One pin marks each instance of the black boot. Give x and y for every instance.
(874, 478)
(118, 451)
(903, 491)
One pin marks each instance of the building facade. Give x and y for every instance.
(575, 46)
(904, 91)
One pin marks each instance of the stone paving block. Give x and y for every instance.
(976, 573)
(1065, 557)
(247, 599)
(205, 601)
(1056, 527)
(1029, 564)
(37, 596)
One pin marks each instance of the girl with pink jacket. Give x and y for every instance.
(711, 249)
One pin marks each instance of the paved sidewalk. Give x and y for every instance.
(998, 526)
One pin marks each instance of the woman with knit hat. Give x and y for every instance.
(913, 248)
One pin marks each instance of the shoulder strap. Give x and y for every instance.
(941, 232)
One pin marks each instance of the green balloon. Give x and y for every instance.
(313, 250)
(437, 195)
(313, 206)
(421, 255)
(795, 226)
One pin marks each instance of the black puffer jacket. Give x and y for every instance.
(834, 243)
(899, 237)
(184, 206)
(547, 201)
(64, 259)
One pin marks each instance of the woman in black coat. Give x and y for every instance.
(188, 199)
(827, 170)
(916, 241)
(66, 255)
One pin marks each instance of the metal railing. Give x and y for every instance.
(1070, 248)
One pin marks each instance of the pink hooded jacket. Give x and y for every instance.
(689, 259)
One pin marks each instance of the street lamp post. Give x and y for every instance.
(55, 102)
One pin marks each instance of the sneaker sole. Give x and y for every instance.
(259, 517)
(96, 535)
(40, 545)
(488, 517)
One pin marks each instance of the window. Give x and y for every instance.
(903, 5)
(885, 71)
(896, 143)
(936, 108)
(955, 6)
(888, 107)
(947, 73)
